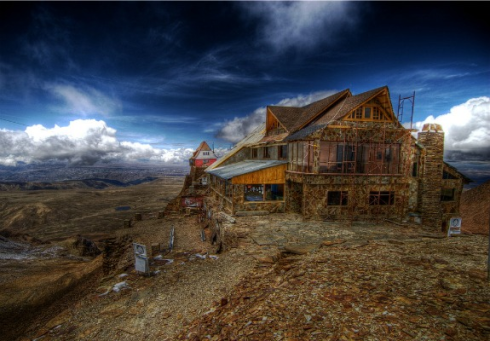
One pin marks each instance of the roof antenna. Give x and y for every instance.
(401, 101)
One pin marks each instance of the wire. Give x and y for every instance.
(22, 124)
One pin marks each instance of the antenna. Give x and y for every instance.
(401, 102)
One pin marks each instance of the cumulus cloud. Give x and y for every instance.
(467, 129)
(82, 142)
(85, 102)
(301, 24)
(236, 129)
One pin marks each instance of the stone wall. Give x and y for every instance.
(313, 191)
(431, 177)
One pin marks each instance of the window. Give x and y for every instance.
(266, 153)
(337, 198)
(415, 170)
(282, 151)
(255, 153)
(254, 192)
(381, 198)
(274, 192)
(367, 112)
(371, 113)
(259, 192)
(358, 113)
(447, 194)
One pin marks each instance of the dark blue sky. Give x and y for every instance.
(171, 74)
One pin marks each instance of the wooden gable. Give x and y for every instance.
(375, 109)
(272, 123)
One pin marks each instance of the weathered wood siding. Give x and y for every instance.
(272, 175)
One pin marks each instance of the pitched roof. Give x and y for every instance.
(347, 105)
(294, 118)
(202, 147)
(336, 112)
(244, 167)
(287, 116)
(465, 179)
(313, 110)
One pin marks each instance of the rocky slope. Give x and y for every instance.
(289, 279)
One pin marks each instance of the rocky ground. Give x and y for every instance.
(279, 277)
(288, 279)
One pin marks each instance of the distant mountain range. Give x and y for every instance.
(30, 176)
(95, 183)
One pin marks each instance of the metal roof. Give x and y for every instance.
(244, 167)
(255, 136)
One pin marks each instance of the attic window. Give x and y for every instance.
(369, 113)
(358, 113)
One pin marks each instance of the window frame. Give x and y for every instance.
(337, 198)
(381, 198)
(447, 194)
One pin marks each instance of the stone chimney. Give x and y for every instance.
(432, 138)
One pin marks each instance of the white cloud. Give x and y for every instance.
(236, 129)
(85, 102)
(82, 142)
(466, 127)
(301, 24)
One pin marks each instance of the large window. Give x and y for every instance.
(254, 192)
(337, 198)
(302, 156)
(274, 192)
(381, 198)
(371, 112)
(360, 158)
(259, 192)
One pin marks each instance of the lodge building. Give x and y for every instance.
(343, 157)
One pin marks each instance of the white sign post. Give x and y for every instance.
(141, 263)
(454, 227)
